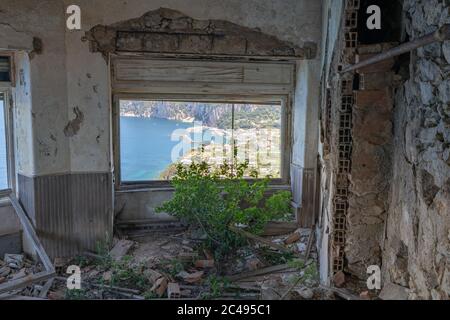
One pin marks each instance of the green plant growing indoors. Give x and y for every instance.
(215, 198)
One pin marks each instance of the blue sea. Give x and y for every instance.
(146, 146)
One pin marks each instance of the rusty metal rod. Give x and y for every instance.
(440, 35)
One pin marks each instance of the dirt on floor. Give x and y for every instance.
(178, 266)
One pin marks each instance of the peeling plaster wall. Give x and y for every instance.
(64, 120)
(47, 78)
(88, 86)
(305, 114)
(416, 251)
(332, 14)
(305, 135)
(23, 120)
(294, 21)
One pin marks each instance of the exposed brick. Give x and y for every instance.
(382, 66)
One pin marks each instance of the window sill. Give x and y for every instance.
(148, 188)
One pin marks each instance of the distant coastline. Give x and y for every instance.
(217, 115)
(135, 115)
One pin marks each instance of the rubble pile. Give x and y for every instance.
(174, 266)
(178, 266)
(18, 266)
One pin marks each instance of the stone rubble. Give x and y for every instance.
(17, 266)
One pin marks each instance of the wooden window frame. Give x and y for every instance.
(242, 80)
(9, 136)
(286, 142)
(12, 73)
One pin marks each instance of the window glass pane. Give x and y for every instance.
(3, 155)
(156, 135)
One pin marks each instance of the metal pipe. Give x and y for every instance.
(440, 35)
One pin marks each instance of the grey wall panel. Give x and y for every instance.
(73, 212)
(92, 208)
(54, 217)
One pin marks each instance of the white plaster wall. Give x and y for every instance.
(293, 20)
(23, 124)
(67, 75)
(306, 115)
(21, 21)
(332, 13)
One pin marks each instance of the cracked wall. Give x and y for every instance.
(44, 80)
(168, 31)
(61, 75)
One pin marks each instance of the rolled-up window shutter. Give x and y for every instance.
(5, 69)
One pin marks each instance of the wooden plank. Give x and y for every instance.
(25, 281)
(45, 288)
(18, 297)
(114, 288)
(306, 213)
(152, 70)
(268, 73)
(259, 272)
(343, 293)
(28, 228)
(202, 71)
(258, 239)
(45, 260)
(310, 242)
(179, 87)
(279, 228)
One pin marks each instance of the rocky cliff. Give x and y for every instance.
(210, 114)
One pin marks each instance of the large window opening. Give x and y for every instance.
(4, 158)
(155, 135)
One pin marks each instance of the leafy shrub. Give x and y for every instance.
(214, 198)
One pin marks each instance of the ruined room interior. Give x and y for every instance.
(325, 143)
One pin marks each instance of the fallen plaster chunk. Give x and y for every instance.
(121, 249)
(305, 293)
(107, 276)
(190, 277)
(152, 275)
(392, 291)
(5, 271)
(14, 261)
